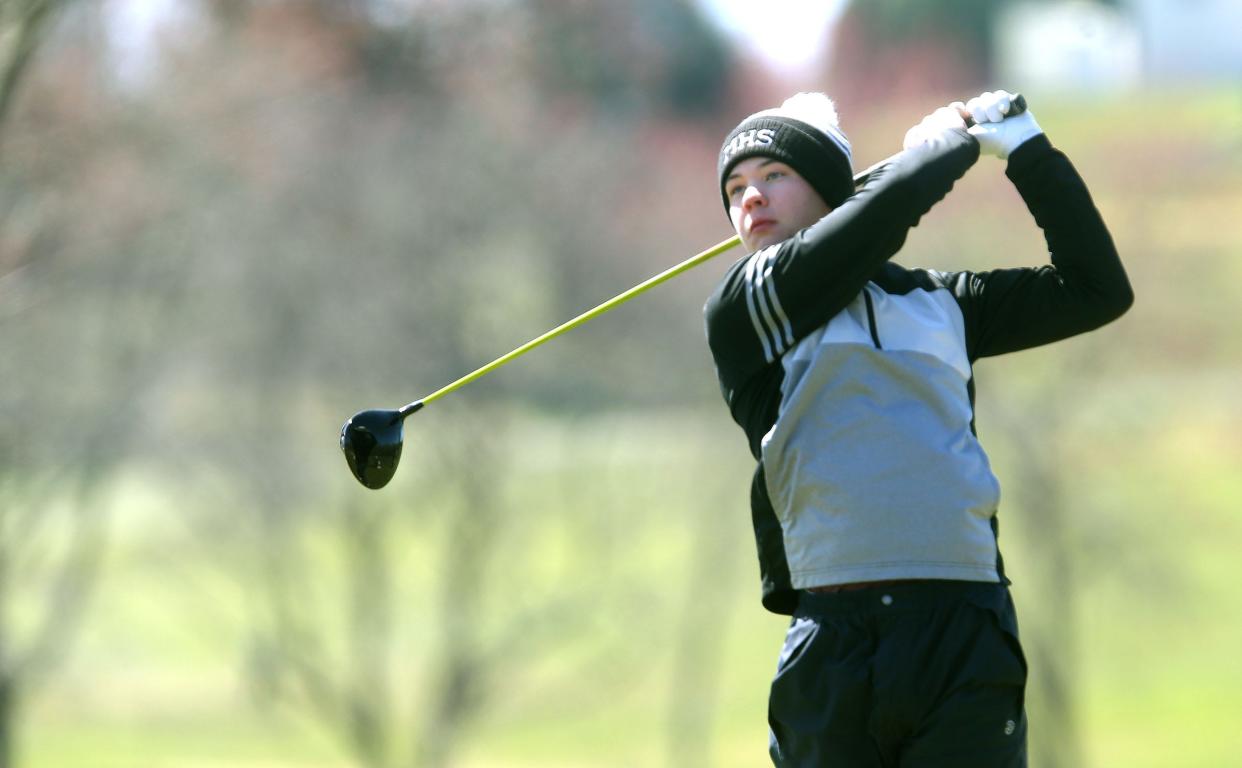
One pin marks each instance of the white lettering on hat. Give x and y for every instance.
(755, 137)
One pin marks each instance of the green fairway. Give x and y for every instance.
(158, 678)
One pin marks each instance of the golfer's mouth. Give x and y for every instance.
(761, 225)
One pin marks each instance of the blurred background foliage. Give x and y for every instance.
(226, 225)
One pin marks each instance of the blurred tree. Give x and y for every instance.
(887, 50)
(1051, 630)
(966, 25)
(70, 417)
(23, 24)
(46, 549)
(651, 56)
(962, 25)
(394, 214)
(701, 638)
(302, 208)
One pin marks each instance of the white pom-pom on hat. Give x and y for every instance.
(814, 109)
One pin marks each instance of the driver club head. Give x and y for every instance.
(371, 441)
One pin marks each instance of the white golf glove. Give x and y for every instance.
(997, 134)
(933, 126)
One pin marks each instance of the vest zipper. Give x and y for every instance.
(875, 334)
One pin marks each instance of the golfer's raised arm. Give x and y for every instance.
(1084, 287)
(776, 296)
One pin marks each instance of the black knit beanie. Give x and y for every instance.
(820, 153)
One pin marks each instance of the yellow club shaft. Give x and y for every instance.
(590, 314)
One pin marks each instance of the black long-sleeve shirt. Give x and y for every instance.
(852, 378)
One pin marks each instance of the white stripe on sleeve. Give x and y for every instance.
(777, 309)
(754, 304)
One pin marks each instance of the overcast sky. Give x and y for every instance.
(788, 34)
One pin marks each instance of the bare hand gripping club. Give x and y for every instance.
(372, 440)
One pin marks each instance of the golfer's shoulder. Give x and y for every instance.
(725, 312)
(731, 287)
(893, 278)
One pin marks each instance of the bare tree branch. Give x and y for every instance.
(32, 22)
(369, 701)
(69, 596)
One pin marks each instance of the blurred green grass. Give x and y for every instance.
(156, 680)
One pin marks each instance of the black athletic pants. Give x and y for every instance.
(916, 675)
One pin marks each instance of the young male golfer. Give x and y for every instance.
(874, 505)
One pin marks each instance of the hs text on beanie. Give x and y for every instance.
(805, 134)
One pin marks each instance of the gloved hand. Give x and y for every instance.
(997, 134)
(933, 125)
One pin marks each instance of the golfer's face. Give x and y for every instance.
(769, 201)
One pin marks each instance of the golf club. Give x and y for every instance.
(372, 440)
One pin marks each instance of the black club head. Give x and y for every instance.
(371, 441)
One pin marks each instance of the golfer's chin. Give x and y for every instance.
(764, 238)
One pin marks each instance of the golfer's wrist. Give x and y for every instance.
(1027, 153)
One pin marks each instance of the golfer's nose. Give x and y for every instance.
(753, 197)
